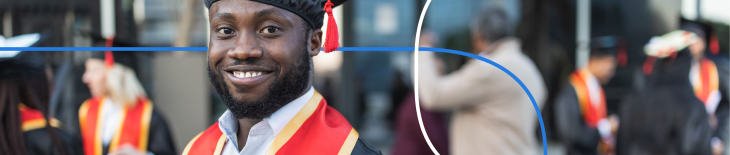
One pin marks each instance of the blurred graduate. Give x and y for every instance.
(682, 108)
(580, 109)
(119, 118)
(709, 80)
(25, 92)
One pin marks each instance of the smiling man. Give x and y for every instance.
(260, 63)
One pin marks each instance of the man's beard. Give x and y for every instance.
(281, 92)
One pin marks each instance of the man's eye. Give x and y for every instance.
(269, 30)
(225, 31)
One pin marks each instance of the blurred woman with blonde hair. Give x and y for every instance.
(119, 118)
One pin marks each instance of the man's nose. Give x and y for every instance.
(246, 46)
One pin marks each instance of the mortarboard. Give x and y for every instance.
(606, 45)
(110, 58)
(123, 58)
(311, 11)
(20, 64)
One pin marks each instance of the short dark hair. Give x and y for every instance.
(492, 24)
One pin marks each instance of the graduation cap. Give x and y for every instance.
(115, 58)
(604, 46)
(609, 46)
(110, 58)
(667, 46)
(699, 29)
(311, 11)
(703, 31)
(21, 64)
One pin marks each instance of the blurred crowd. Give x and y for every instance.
(645, 78)
(678, 103)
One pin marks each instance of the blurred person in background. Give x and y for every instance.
(668, 116)
(24, 96)
(580, 108)
(260, 63)
(491, 112)
(710, 83)
(408, 137)
(119, 119)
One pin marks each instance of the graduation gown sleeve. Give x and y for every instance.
(723, 109)
(39, 142)
(663, 122)
(160, 139)
(364, 148)
(575, 134)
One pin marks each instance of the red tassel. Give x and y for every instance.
(714, 45)
(331, 43)
(108, 56)
(649, 65)
(622, 57)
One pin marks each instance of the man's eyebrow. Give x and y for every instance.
(224, 16)
(262, 13)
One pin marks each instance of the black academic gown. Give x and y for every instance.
(722, 113)
(665, 118)
(39, 142)
(362, 147)
(572, 129)
(160, 140)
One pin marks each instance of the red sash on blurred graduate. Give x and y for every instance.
(706, 87)
(592, 112)
(32, 119)
(316, 129)
(134, 128)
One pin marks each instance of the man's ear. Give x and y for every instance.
(315, 42)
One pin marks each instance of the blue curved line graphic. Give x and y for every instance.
(505, 70)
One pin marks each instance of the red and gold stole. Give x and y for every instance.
(134, 129)
(708, 80)
(591, 112)
(317, 129)
(33, 119)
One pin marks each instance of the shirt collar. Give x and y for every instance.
(281, 117)
(229, 124)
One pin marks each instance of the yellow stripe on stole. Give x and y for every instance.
(39, 123)
(580, 90)
(295, 123)
(113, 146)
(144, 129)
(190, 144)
(145, 126)
(83, 111)
(219, 146)
(349, 143)
(99, 124)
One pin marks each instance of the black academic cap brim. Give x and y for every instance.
(604, 46)
(23, 63)
(310, 11)
(125, 58)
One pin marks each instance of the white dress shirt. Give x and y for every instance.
(112, 115)
(263, 133)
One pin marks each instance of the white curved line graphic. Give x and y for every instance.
(415, 79)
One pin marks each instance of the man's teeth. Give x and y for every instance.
(240, 74)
